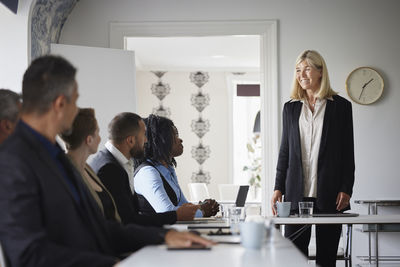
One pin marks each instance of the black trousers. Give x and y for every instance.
(327, 240)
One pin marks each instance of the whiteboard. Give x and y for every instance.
(106, 81)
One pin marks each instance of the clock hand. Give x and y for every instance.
(367, 83)
(363, 87)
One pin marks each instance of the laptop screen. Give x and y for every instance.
(242, 195)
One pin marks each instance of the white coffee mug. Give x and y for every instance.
(283, 209)
(252, 234)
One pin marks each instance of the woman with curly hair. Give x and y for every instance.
(156, 182)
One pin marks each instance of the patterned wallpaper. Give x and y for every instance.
(200, 126)
(160, 90)
(48, 18)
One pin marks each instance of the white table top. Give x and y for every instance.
(361, 219)
(276, 253)
(379, 202)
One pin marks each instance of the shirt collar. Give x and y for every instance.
(53, 149)
(303, 100)
(164, 171)
(117, 154)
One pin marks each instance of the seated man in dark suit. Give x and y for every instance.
(48, 216)
(114, 166)
(9, 112)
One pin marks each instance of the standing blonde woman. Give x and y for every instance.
(316, 157)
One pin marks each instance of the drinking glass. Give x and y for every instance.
(306, 209)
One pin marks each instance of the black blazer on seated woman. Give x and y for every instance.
(335, 159)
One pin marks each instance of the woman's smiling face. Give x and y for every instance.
(308, 77)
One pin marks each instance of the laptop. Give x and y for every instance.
(242, 195)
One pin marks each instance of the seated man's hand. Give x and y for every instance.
(209, 207)
(186, 212)
(185, 239)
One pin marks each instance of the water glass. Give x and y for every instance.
(253, 210)
(224, 208)
(306, 209)
(236, 214)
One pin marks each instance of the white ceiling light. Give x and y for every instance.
(218, 56)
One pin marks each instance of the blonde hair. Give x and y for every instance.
(315, 60)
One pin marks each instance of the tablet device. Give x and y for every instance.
(194, 246)
(335, 215)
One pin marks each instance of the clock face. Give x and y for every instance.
(364, 85)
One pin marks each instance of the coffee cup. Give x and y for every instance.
(252, 234)
(283, 209)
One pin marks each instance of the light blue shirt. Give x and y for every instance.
(148, 183)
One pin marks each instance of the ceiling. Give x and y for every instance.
(212, 53)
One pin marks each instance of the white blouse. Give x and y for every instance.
(127, 164)
(310, 127)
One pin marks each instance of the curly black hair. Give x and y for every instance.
(160, 133)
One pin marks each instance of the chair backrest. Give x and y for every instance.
(228, 192)
(198, 192)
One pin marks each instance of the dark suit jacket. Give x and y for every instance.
(42, 225)
(335, 159)
(115, 178)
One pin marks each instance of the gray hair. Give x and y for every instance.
(46, 78)
(9, 105)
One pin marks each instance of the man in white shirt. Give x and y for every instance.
(114, 167)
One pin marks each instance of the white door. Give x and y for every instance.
(106, 81)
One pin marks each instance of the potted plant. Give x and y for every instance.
(254, 167)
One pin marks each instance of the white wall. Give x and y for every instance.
(103, 74)
(182, 114)
(13, 45)
(348, 34)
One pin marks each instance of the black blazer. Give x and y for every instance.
(40, 222)
(335, 159)
(115, 178)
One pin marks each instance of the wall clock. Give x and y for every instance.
(364, 85)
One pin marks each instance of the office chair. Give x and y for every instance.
(228, 192)
(198, 192)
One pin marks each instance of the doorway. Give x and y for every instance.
(267, 30)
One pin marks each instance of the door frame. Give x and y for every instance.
(267, 30)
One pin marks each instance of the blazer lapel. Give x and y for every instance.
(50, 165)
(86, 207)
(329, 111)
(47, 160)
(296, 131)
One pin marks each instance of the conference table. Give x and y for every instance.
(276, 252)
(350, 221)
